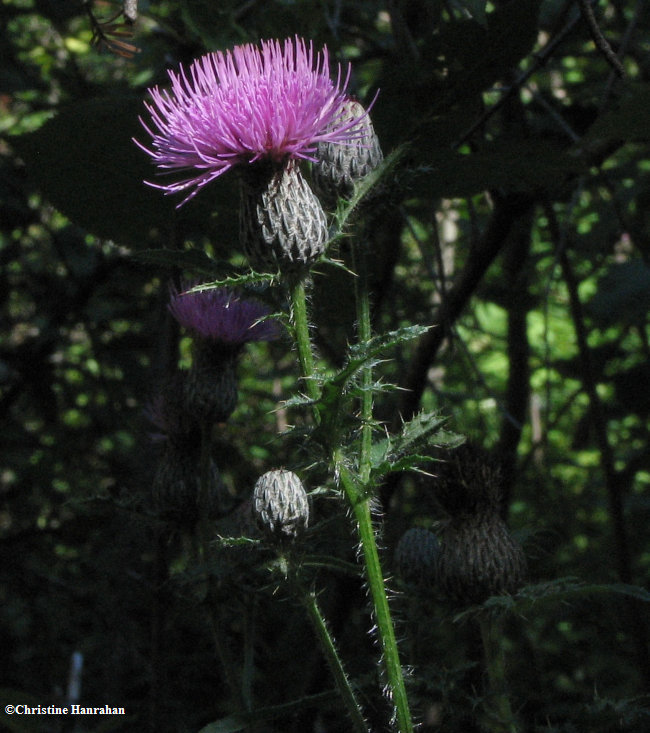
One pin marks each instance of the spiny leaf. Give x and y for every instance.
(331, 563)
(424, 430)
(364, 188)
(360, 354)
(235, 541)
(249, 278)
(400, 452)
(407, 463)
(562, 589)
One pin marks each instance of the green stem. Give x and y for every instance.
(364, 331)
(334, 661)
(301, 336)
(361, 507)
(361, 504)
(500, 718)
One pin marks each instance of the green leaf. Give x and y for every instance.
(336, 389)
(423, 430)
(236, 541)
(195, 260)
(629, 120)
(248, 278)
(360, 354)
(84, 161)
(504, 164)
(400, 452)
(562, 589)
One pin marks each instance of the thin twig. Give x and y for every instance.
(622, 49)
(614, 481)
(540, 59)
(602, 44)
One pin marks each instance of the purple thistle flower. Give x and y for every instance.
(220, 315)
(269, 103)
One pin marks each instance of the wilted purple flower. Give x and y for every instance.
(220, 315)
(268, 103)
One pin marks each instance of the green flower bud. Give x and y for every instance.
(280, 503)
(281, 221)
(341, 165)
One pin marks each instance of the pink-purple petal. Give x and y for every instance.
(218, 314)
(274, 101)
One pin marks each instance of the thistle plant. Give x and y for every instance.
(253, 105)
(221, 323)
(267, 112)
(478, 558)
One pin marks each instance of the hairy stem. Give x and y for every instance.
(364, 331)
(361, 507)
(300, 324)
(336, 665)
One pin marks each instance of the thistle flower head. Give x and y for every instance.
(220, 315)
(271, 102)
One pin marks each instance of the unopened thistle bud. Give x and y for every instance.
(280, 503)
(281, 221)
(341, 165)
(415, 556)
(478, 558)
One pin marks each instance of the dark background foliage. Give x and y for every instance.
(517, 224)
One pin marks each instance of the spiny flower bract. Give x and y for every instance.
(270, 102)
(218, 314)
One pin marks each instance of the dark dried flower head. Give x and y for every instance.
(415, 556)
(176, 486)
(219, 315)
(167, 414)
(280, 503)
(269, 103)
(478, 558)
(210, 386)
(469, 482)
